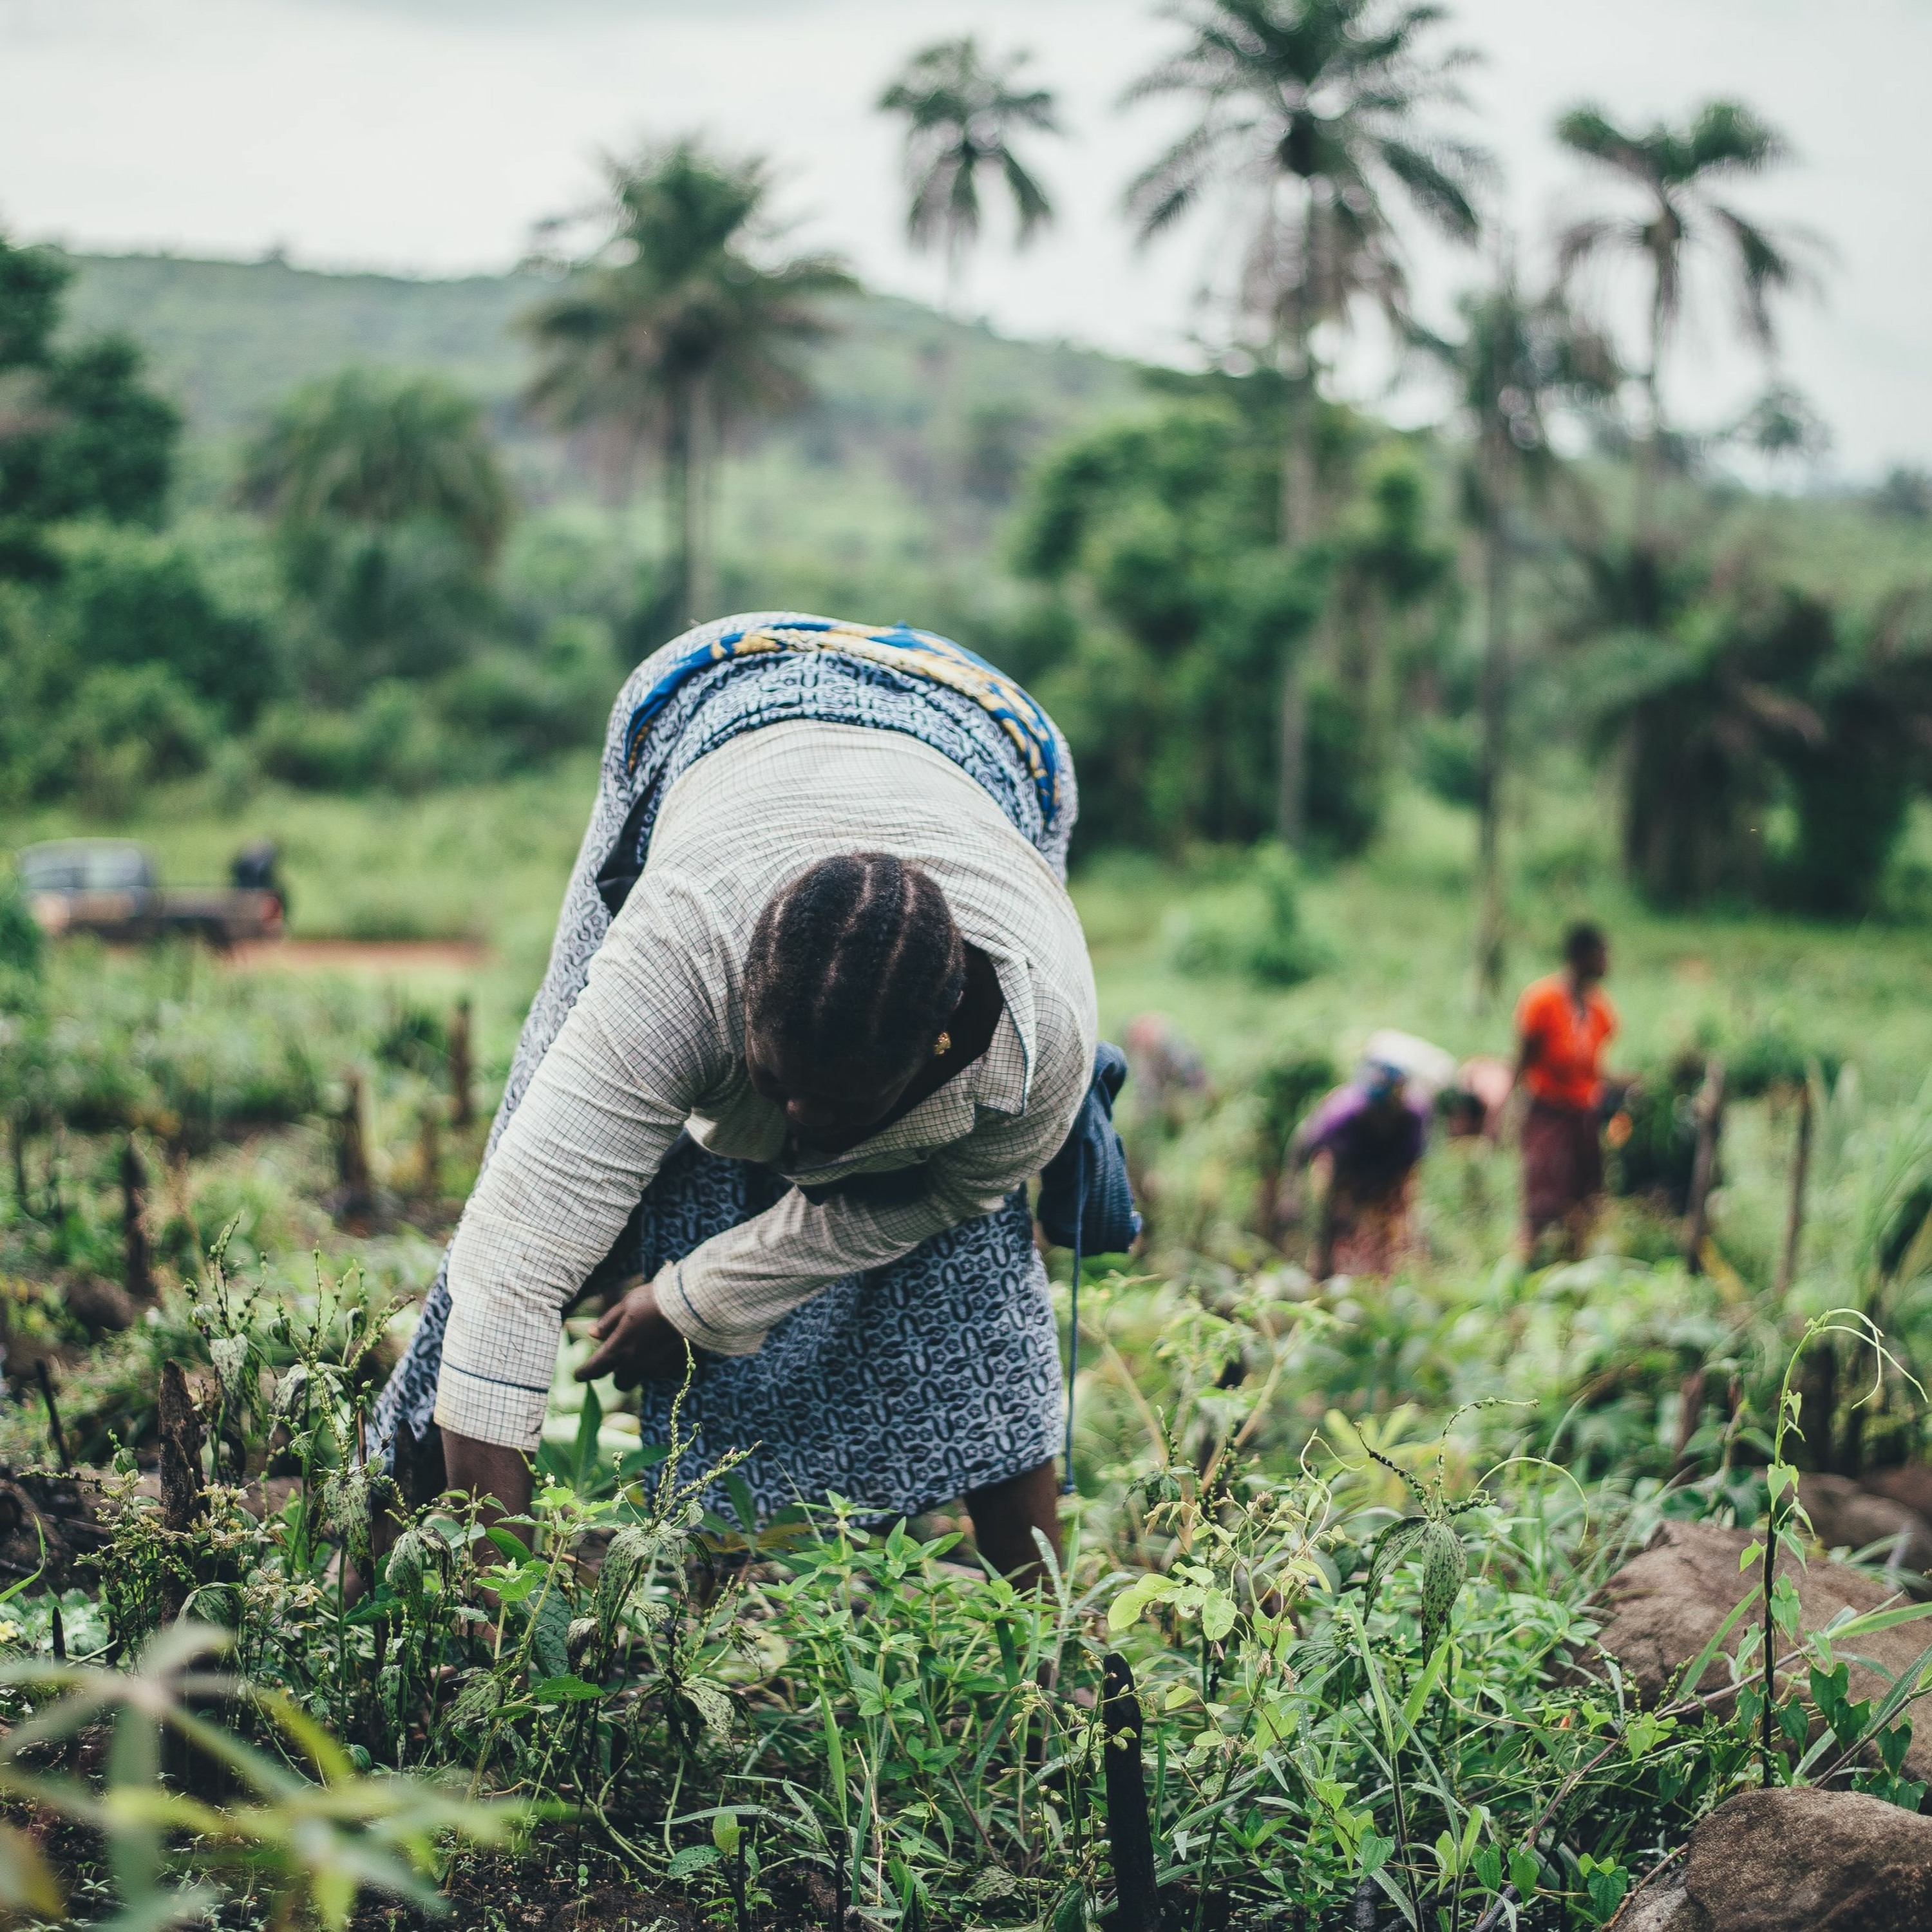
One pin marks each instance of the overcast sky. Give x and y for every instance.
(427, 136)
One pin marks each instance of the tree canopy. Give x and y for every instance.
(1674, 211)
(675, 323)
(80, 433)
(964, 114)
(374, 447)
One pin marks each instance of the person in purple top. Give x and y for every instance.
(1369, 1135)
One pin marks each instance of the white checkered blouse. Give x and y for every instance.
(654, 1045)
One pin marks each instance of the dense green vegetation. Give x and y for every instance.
(1362, 719)
(1216, 1355)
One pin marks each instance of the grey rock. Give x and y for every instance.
(1661, 1608)
(1848, 1516)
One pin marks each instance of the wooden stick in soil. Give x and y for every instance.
(462, 1103)
(1690, 1412)
(1710, 1119)
(429, 1143)
(45, 1377)
(184, 1502)
(1130, 1835)
(351, 1152)
(137, 1272)
(1794, 1217)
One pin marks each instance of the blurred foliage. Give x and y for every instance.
(389, 505)
(1172, 613)
(1755, 666)
(1259, 932)
(80, 434)
(1728, 693)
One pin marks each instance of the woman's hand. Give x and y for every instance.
(639, 1343)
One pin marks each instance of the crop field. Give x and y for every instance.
(1459, 486)
(1336, 1552)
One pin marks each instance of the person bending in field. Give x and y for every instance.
(817, 1007)
(1370, 1136)
(1563, 1024)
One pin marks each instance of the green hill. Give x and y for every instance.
(228, 339)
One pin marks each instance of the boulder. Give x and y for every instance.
(1797, 1860)
(1911, 1485)
(1850, 1515)
(1662, 1606)
(103, 1306)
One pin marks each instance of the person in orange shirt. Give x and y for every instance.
(1563, 1024)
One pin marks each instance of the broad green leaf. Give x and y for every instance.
(1128, 1607)
(564, 1689)
(1217, 1615)
(692, 1860)
(1394, 1542)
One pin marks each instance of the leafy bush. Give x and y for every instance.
(1447, 757)
(1347, 769)
(1772, 1056)
(134, 600)
(118, 732)
(89, 439)
(527, 708)
(23, 947)
(1264, 938)
(393, 738)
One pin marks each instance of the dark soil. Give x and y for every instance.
(536, 1893)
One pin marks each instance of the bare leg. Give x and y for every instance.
(500, 1478)
(1005, 1516)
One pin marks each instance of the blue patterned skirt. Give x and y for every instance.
(898, 1389)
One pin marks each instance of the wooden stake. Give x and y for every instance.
(1710, 1118)
(46, 1379)
(462, 1104)
(429, 1127)
(352, 1151)
(137, 1274)
(184, 1502)
(1690, 1413)
(1130, 1835)
(1794, 1219)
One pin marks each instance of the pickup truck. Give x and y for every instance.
(112, 889)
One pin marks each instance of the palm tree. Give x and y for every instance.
(1519, 359)
(672, 325)
(390, 507)
(961, 114)
(1316, 112)
(375, 447)
(1674, 215)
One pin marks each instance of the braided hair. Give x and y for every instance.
(859, 960)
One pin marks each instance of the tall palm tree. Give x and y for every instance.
(1672, 214)
(673, 324)
(1519, 359)
(1317, 114)
(962, 112)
